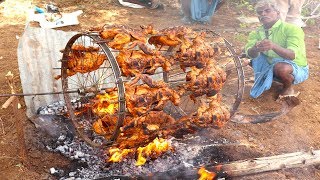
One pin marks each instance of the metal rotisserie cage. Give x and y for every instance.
(96, 85)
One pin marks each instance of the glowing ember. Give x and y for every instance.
(205, 174)
(153, 150)
(106, 104)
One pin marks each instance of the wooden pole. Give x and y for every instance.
(272, 163)
(244, 167)
(19, 117)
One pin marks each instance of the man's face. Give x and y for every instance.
(267, 15)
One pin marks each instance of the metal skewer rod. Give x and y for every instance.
(59, 92)
(36, 94)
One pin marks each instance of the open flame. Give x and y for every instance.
(117, 154)
(106, 104)
(205, 174)
(153, 150)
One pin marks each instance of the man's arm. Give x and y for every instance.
(283, 52)
(250, 47)
(253, 52)
(266, 45)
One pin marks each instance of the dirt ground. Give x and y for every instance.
(297, 131)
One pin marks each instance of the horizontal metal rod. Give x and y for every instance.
(105, 67)
(36, 94)
(51, 93)
(177, 81)
(177, 74)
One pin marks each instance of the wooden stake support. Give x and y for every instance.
(18, 116)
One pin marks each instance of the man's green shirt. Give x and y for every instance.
(284, 34)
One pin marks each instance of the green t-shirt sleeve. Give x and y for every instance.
(295, 42)
(294, 37)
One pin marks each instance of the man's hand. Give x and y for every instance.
(264, 45)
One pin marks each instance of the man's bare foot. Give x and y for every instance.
(289, 92)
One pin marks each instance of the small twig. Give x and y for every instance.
(8, 157)
(2, 127)
(255, 109)
(311, 17)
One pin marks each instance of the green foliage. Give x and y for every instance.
(311, 22)
(244, 4)
(305, 12)
(241, 37)
(243, 25)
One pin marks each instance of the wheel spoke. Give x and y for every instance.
(89, 84)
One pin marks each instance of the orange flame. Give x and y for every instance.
(205, 174)
(106, 104)
(154, 149)
(117, 155)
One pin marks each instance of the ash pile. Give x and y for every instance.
(191, 152)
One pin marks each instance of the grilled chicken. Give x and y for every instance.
(83, 60)
(212, 115)
(143, 98)
(207, 81)
(133, 62)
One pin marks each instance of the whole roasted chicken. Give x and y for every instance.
(142, 98)
(133, 62)
(121, 37)
(213, 114)
(207, 81)
(83, 59)
(195, 53)
(172, 36)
